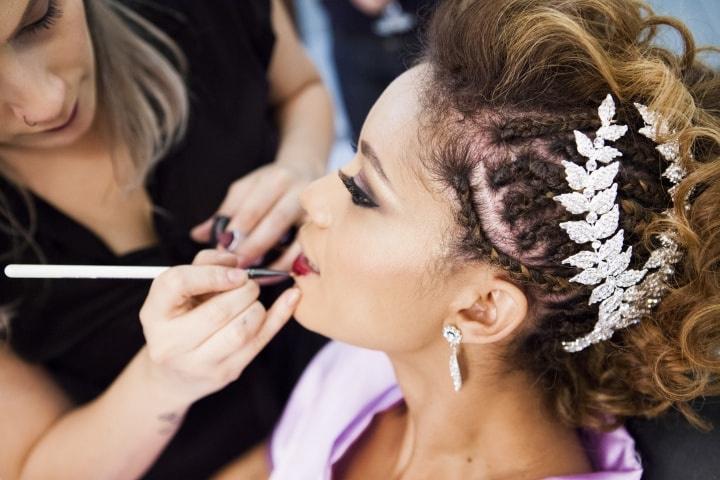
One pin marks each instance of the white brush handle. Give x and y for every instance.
(82, 271)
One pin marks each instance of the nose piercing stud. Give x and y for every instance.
(29, 124)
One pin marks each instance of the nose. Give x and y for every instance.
(35, 96)
(315, 201)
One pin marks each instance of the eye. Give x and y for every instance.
(51, 15)
(358, 196)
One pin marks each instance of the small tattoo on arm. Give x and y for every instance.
(169, 422)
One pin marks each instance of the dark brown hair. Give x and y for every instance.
(510, 81)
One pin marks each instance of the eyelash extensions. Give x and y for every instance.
(358, 196)
(48, 20)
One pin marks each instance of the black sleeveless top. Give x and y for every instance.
(84, 332)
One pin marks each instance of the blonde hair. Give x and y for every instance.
(141, 92)
(143, 100)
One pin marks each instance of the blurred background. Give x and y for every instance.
(359, 46)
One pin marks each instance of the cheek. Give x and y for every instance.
(72, 49)
(372, 289)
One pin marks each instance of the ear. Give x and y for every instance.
(491, 311)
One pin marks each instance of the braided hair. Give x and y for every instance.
(499, 120)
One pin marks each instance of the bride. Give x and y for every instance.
(517, 259)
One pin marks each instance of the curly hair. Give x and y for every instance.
(510, 81)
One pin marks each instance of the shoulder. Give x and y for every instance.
(338, 384)
(612, 454)
(339, 369)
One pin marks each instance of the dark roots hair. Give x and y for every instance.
(510, 80)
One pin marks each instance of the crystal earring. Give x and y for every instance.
(453, 336)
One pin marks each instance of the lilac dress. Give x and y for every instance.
(344, 387)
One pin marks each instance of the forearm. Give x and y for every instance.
(117, 436)
(306, 130)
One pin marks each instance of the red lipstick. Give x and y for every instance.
(302, 266)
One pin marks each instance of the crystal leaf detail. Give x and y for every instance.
(624, 295)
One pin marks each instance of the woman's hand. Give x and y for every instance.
(203, 324)
(262, 207)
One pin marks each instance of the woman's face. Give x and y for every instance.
(47, 74)
(376, 237)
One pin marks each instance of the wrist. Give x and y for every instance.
(161, 386)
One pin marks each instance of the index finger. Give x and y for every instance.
(172, 289)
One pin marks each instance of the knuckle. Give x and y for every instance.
(219, 276)
(258, 308)
(252, 289)
(254, 311)
(239, 333)
(246, 320)
(172, 280)
(203, 256)
(252, 216)
(283, 178)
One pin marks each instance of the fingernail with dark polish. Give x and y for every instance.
(220, 223)
(225, 239)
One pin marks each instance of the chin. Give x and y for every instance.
(303, 315)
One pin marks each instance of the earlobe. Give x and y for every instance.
(495, 314)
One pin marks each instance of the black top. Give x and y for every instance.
(84, 332)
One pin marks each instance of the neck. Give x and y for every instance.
(496, 425)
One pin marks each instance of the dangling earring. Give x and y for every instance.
(454, 336)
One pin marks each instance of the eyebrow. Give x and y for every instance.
(28, 8)
(370, 154)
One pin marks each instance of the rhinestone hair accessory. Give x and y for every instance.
(453, 337)
(625, 295)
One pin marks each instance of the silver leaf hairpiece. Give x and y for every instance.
(625, 295)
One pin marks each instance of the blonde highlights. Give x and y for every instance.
(141, 91)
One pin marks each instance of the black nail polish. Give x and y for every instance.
(220, 223)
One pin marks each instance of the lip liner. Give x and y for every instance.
(108, 271)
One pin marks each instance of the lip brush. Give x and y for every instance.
(108, 271)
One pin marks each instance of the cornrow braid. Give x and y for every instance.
(481, 246)
(523, 126)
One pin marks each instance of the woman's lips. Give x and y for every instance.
(302, 266)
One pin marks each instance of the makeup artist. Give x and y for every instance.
(125, 127)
